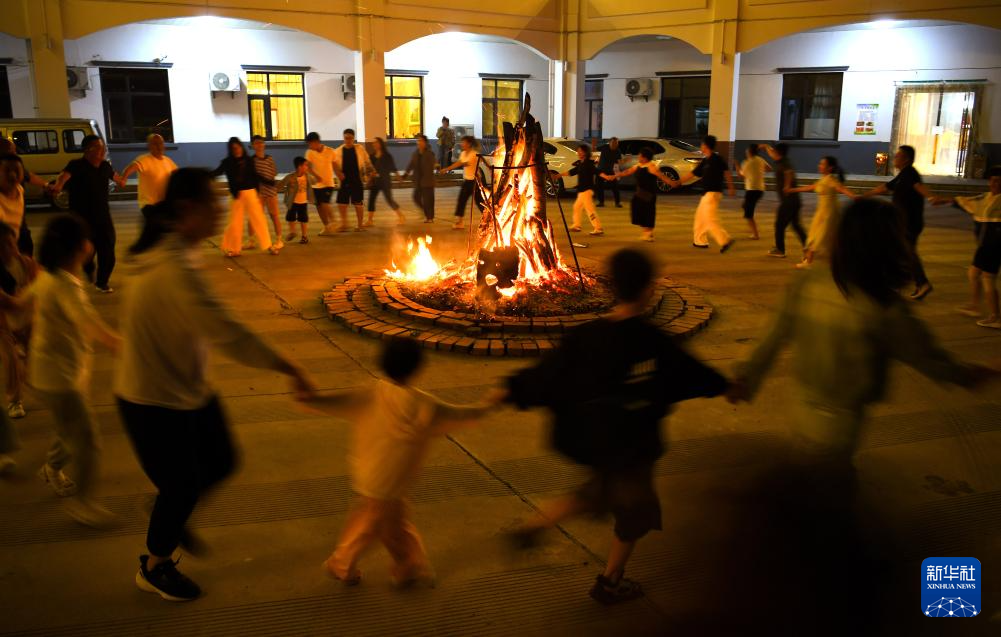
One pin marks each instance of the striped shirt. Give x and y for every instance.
(266, 171)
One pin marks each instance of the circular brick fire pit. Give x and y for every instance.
(373, 305)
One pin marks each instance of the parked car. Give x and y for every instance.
(46, 146)
(674, 157)
(561, 153)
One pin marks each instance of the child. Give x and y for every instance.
(983, 272)
(825, 219)
(753, 170)
(17, 272)
(298, 196)
(394, 425)
(609, 384)
(60, 361)
(584, 168)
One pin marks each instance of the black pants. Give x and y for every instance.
(424, 198)
(788, 215)
(184, 454)
(25, 244)
(468, 190)
(917, 268)
(385, 186)
(601, 184)
(102, 235)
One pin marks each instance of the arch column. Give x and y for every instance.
(724, 78)
(48, 59)
(370, 72)
(573, 74)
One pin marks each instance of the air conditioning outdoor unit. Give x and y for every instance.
(640, 87)
(77, 78)
(227, 81)
(348, 86)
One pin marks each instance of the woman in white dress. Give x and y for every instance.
(825, 218)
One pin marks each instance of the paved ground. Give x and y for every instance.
(733, 558)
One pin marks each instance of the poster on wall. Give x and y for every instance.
(865, 123)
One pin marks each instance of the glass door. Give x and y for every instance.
(938, 122)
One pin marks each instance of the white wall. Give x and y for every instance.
(197, 50)
(453, 86)
(628, 59)
(876, 59)
(22, 93)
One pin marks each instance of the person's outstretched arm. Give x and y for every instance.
(344, 404)
(751, 373)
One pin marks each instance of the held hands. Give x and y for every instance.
(119, 181)
(302, 384)
(737, 392)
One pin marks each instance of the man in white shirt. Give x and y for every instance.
(154, 172)
(320, 161)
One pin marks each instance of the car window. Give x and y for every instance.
(35, 142)
(72, 138)
(548, 148)
(572, 144)
(685, 146)
(627, 147)
(655, 147)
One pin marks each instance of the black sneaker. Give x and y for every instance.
(727, 246)
(701, 246)
(608, 592)
(166, 581)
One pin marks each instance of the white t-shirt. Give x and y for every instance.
(301, 192)
(153, 177)
(469, 160)
(754, 173)
(322, 164)
(12, 208)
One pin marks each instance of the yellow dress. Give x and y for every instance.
(825, 218)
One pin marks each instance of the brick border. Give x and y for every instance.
(374, 306)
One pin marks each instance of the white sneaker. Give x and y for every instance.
(59, 481)
(993, 322)
(328, 230)
(7, 464)
(279, 244)
(16, 410)
(89, 513)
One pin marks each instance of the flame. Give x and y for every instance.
(420, 264)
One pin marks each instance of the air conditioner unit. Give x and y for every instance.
(348, 86)
(640, 87)
(77, 78)
(225, 81)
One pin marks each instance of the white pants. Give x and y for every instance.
(707, 221)
(585, 203)
(245, 203)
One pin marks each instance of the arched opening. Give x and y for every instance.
(860, 89)
(15, 78)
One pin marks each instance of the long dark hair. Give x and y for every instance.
(380, 145)
(63, 237)
(836, 169)
(869, 253)
(229, 147)
(186, 184)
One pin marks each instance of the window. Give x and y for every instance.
(501, 103)
(136, 104)
(811, 105)
(35, 142)
(277, 105)
(684, 107)
(594, 103)
(72, 138)
(6, 110)
(404, 106)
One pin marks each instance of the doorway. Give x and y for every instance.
(939, 120)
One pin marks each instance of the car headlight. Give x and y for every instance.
(693, 160)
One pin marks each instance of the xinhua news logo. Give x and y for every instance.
(950, 587)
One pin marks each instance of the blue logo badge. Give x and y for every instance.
(950, 587)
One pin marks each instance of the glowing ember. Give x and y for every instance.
(419, 264)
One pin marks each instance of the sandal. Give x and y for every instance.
(608, 592)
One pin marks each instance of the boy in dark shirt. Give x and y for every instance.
(609, 384)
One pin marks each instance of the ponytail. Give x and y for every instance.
(836, 169)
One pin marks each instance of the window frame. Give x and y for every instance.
(806, 105)
(496, 101)
(589, 105)
(269, 134)
(128, 94)
(68, 136)
(391, 99)
(683, 135)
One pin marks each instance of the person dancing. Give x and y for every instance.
(752, 169)
(422, 168)
(267, 187)
(790, 204)
(644, 202)
(385, 172)
(468, 160)
(713, 170)
(243, 181)
(825, 218)
(584, 168)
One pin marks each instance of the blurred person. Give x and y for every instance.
(752, 169)
(787, 214)
(17, 273)
(609, 161)
(983, 272)
(87, 179)
(394, 423)
(60, 359)
(242, 178)
(584, 168)
(713, 170)
(421, 166)
(385, 172)
(353, 166)
(267, 187)
(172, 415)
(909, 194)
(320, 163)
(298, 196)
(24, 241)
(154, 170)
(446, 142)
(12, 192)
(825, 217)
(609, 383)
(644, 201)
(469, 160)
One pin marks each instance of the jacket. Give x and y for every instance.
(422, 167)
(365, 167)
(290, 186)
